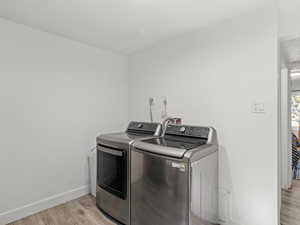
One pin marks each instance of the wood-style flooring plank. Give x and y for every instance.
(93, 213)
(81, 211)
(290, 208)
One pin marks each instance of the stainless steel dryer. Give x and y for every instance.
(113, 163)
(174, 178)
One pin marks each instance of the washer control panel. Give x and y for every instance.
(189, 131)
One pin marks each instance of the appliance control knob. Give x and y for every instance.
(182, 129)
(140, 125)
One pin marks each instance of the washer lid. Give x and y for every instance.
(185, 143)
(178, 140)
(169, 146)
(159, 149)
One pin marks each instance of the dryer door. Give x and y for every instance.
(112, 167)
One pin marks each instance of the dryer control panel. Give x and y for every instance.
(143, 127)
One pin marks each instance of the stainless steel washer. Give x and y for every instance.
(113, 169)
(174, 178)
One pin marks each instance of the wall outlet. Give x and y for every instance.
(258, 107)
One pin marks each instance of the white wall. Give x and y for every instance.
(56, 96)
(295, 84)
(211, 78)
(289, 17)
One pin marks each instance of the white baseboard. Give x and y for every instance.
(35, 207)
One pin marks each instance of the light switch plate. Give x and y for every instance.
(258, 107)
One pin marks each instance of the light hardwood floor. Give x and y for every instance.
(290, 208)
(82, 211)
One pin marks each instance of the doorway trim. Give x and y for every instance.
(285, 130)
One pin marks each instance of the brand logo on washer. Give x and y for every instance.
(180, 166)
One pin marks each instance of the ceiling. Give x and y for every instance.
(121, 25)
